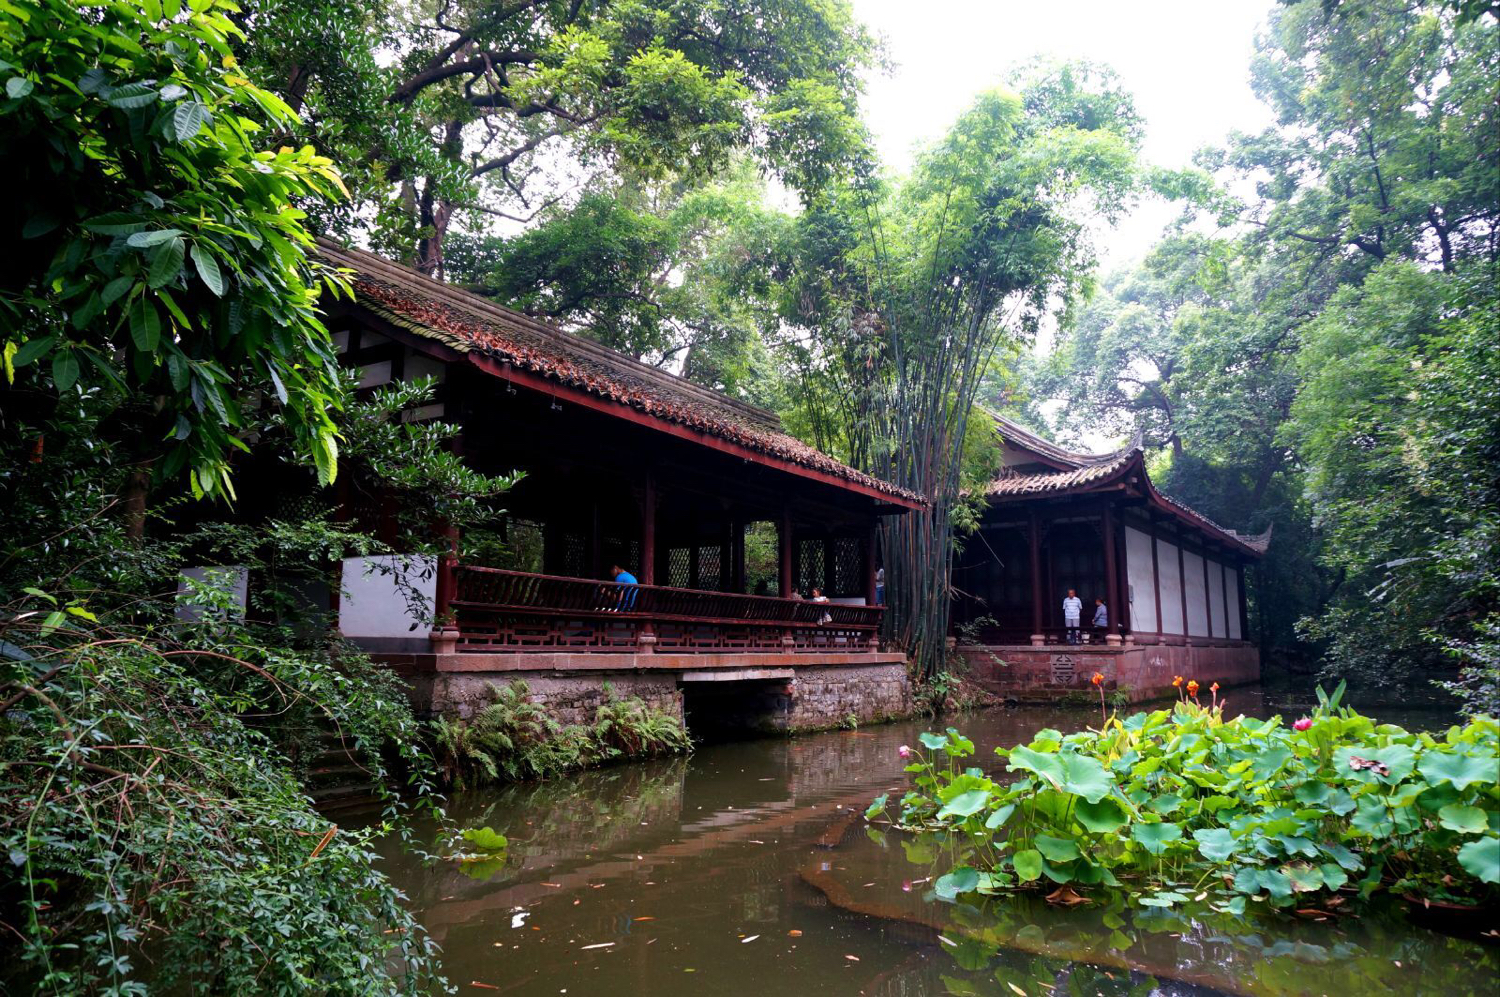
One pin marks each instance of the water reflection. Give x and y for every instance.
(747, 868)
(1003, 945)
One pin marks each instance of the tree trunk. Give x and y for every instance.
(133, 497)
(434, 213)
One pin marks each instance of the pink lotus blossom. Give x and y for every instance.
(904, 751)
(1302, 724)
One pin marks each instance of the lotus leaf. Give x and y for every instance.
(1155, 837)
(1481, 859)
(1464, 820)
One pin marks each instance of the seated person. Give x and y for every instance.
(627, 595)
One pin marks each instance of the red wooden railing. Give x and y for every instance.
(496, 609)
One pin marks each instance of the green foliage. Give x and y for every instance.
(1324, 372)
(165, 252)
(668, 273)
(490, 109)
(903, 296)
(200, 852)
(512, 738)
(151, 807)
(1238, 808)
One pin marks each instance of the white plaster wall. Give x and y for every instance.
(1232, 591)
(1138, 573)
(1171, 588)
(233, 577)
(372, 605)
(1216, 594)
(1197, 598)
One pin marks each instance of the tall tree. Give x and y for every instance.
(913, 290)
(498, 107)
(678, 274)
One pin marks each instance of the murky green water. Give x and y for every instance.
(747, 869)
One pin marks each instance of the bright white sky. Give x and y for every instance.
(1186, 61)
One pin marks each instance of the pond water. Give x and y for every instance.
(748, 869)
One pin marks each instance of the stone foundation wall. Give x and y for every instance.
(571, 699)
(829, 697)
(766, 693)
(1142, 672)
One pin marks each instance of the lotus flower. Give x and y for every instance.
(904, 751)
(1302, 724)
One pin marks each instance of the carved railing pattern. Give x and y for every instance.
(497, 609)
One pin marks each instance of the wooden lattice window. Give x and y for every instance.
(710, 568)
(848, 567)
(679, 567)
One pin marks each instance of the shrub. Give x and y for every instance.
(155, 829)
(1178, 802)
(513, 738)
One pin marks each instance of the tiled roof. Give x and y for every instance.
(467, 322)
(1093, 470)
(1017, 483)
(1024, 438)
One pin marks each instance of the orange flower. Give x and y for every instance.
(1176, 681)
(1192, 687)
(1214, 687)
(1098, 677)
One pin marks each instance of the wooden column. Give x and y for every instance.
(443, 639)
(445, 585)
(648, 531)
(1111, 575)
(646, 639)
(1155, 572)
(1244, 605)
(1182, 589)
(785, 554)
(1035, 530)
(1224, 591)
(870, 541)
(596, 563)
(1208, 595)
(726, 557)
(737, 555)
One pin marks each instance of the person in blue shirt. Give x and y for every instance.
(1101, 619)
(623, 577)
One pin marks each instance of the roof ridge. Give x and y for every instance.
(389, 269)
(1040, 444)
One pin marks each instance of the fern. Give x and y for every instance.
(512, 738)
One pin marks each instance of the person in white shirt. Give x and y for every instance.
(1072, 615)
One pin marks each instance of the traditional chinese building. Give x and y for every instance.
(625, 464)
(1172, 581)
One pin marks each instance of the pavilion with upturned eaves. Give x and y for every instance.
(1173, 581)
(625, 464)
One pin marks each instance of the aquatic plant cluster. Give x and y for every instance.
(513, 738)
(1182, 804)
